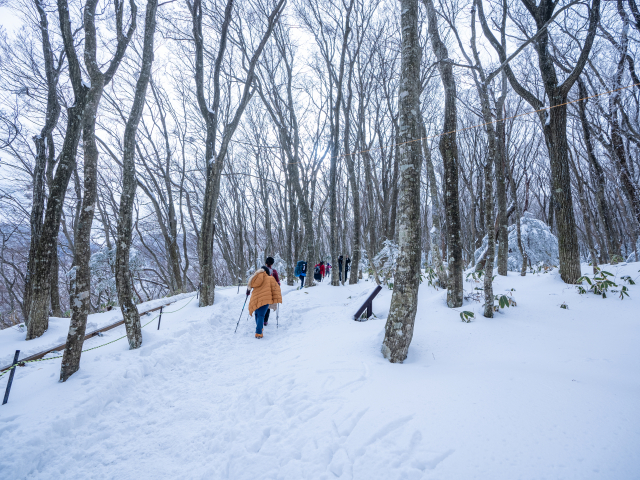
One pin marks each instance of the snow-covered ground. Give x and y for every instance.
(12, 339)
(537, 392)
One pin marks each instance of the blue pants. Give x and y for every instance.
(260, 313)
(302, 277)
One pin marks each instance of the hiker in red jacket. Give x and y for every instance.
(274, 273)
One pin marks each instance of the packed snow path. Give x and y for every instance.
(537, 392)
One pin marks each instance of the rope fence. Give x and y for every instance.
(23, 363)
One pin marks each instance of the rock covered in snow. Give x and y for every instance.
(540, 245)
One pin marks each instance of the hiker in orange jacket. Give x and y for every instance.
(264, 290)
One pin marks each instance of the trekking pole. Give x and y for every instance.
(245, 302)
(277, 316)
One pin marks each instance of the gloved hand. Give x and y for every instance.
(248, 292)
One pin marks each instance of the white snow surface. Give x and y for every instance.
(12, 339)
(536, 392)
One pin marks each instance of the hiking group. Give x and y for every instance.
(264, 287)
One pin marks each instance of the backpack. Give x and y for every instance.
(317, 270)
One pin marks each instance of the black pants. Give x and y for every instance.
(266, 316)
(302, 281)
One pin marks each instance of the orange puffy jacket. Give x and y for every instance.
(265, 291)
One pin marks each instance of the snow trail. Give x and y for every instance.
(537, 392)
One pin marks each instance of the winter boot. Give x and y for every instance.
(258, 335)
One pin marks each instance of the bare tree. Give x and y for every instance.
(404, 301)
(449, 152)
(81, 296)
(211, 115)
(553, 120)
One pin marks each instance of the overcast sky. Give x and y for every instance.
(9, 20)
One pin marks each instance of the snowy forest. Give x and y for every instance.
(149, 150)
(460, 177)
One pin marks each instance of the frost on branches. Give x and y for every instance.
(540, 245)
(280, 265)
(364, 261)
(102, 266)
(385, 260)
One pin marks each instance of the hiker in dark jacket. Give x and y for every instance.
(301, 272)
(347, 266)
(274, 273)
(340, 267)
(317, 273)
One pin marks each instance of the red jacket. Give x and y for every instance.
(274, 274)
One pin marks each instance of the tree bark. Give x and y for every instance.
(436, 236)
(597, 177)
(46, 247)
(81, 297)
(501, 194)
(56, 310)
(493, 158)
(449, 152)
(404, 301)
(42, 141)
(356, 245)
(586, 217)
(124, 279)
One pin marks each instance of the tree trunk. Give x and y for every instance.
(491, 240)
(46, 248)
(291, 259)
(597, 177)
(436, 237)
(404, 301)
(335, 141)
(519, 213)
(214, 166)
(586, 220)
(56, 310)
(449, 153)
(393, 199)
(556, 138)
(81, 298)
(170, 234)
(124, 279)
(42, 141)
(356, 245)
(501, 196)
